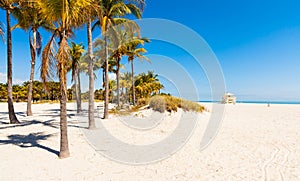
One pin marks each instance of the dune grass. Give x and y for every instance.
(162, 103)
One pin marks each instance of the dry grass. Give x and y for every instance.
(162, 103)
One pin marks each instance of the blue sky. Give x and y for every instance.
(256, 42)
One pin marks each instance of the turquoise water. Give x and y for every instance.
(261, 102)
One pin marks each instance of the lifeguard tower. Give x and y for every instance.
(229, 98)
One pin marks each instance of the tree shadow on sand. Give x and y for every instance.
(28, 141)
(51, 123)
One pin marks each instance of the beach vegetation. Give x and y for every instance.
(162, 103)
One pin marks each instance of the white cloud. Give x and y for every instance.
(3, 79)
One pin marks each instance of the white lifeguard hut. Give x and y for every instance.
(229, 98)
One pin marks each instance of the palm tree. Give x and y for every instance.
(134, 50)
(91, 11)
(120, 41)
(147, 84)
(111, 11)
(76, 54)
(125, 81)
(66, 15)
(124, 38)
(30, 19)
(9, 6)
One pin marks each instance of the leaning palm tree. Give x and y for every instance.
(67, 15)
(111, 11)
(30, 19)
(134, 50)
(9, 6)
(76, 53)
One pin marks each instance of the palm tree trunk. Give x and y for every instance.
(106, 96)
(103, 78)
(64, 145)
(132, 79)
(12, 116)
(33, 56)
(118, 82)
(79, 92)
(91, 77)
(76, 90)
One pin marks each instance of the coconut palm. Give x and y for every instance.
(120, 41)
(147, 84)
(30, 19)
(125, 83)
(76, 54)
(124, 37)
(111, 11)
(92, 10)
(134, 50)
(67, 15)
(9, 6)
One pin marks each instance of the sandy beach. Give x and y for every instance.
(255, 142)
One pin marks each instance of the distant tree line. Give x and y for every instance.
(146, 85)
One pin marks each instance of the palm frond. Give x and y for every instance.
(135, 10)
(47, 59)
(63, 58)
(39, 45)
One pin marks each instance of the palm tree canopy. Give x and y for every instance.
(29, 17)
(134, 49)
(112, 10)
(66, 15)
(147, 84)
(76, 53)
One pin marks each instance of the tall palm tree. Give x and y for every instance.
(134, 50)
(67, 15)
(120, 41)
(124, 38)
(111, 11)
(30, 19)
(76, 54)
(9, 6)
(92, 10)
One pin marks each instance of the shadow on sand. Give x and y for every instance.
(27, 141)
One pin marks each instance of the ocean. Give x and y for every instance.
(260, 102)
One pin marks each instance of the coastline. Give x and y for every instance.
(257, 102)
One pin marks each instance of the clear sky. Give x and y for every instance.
(256, 42)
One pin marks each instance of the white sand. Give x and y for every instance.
(255, 142)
